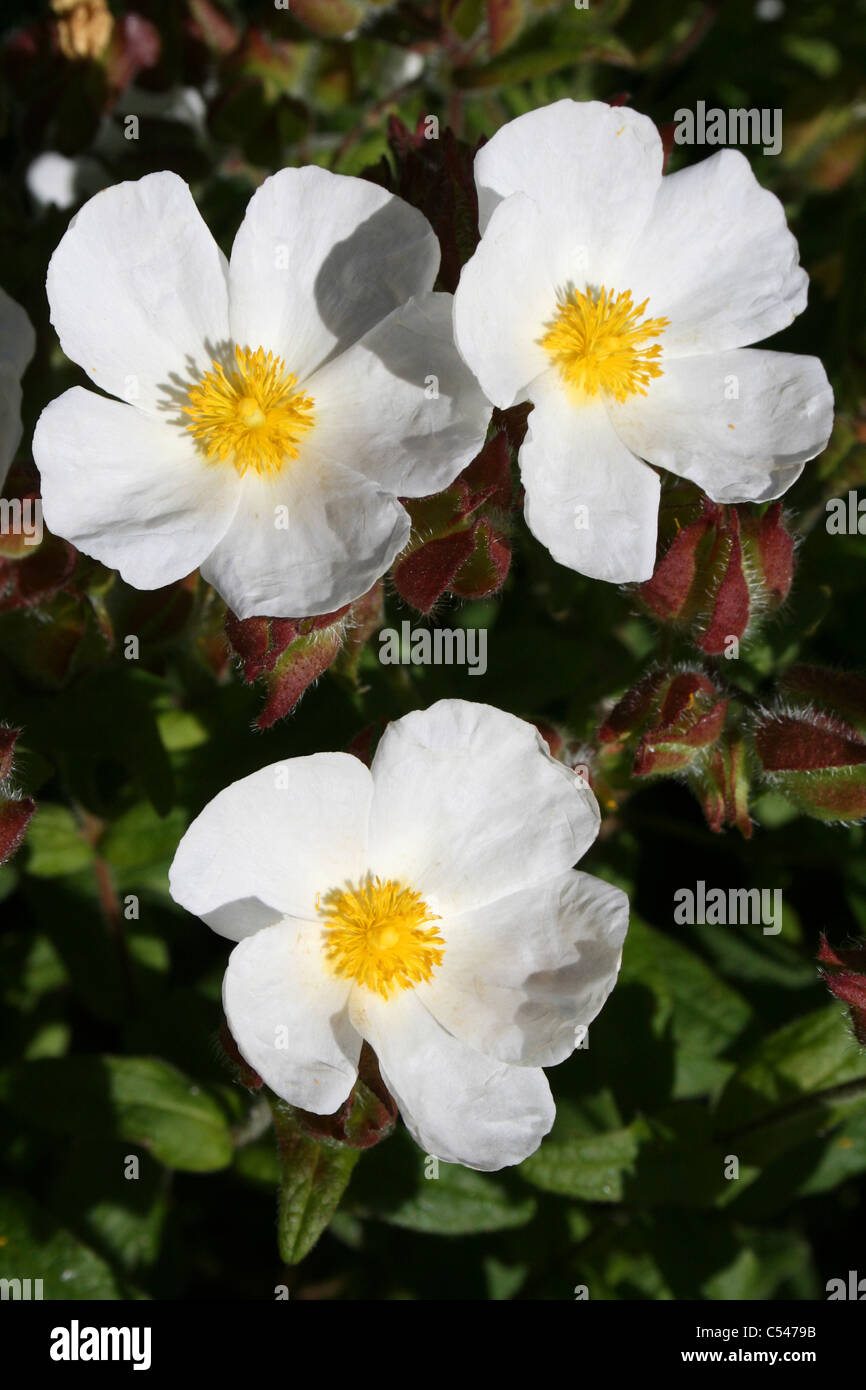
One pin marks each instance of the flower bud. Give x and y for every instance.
(15, 811)
(287, 654)
(844, 974)
(814, 758)
(679, 716)
(458, 544)
(721, 572)
(722, 785)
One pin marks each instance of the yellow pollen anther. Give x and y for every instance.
(253, 415)
(377, 935)
(600, 344)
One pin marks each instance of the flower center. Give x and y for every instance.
(600, 344)
(377, 935)
(253, 415)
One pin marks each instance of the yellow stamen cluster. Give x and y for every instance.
(253, 415)
(376, 935)
(600, 344)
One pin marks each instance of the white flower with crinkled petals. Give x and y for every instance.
(17, 345)
(272, 408)
(622, 305)
(427, 905)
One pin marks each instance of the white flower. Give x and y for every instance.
(271, 409)
(17, 345)
(621, 304)
(427, 905)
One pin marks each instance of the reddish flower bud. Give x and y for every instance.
(366, 1117)
(844, 974)
(288, 654)
(815, 759)
(679, 715)
(836, 692)
(15, 811)
(722, 784)
(457, 542)
(721, 571)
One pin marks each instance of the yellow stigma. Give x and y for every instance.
(252, 416)
(600, 344)
(376, 935)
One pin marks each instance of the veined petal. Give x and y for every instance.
(717, 259)
(522, 978)
(138, 291)
(457, 1103)
(597, 167)
(509, 291)
(469, 806)
(130, 490)
(400, 404)
(288, 1015)
(321, 258)
(305, 541)
(740, 424)
(588, 498)
(282, 836)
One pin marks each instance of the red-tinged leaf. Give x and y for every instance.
(488, 476)
(505, 19)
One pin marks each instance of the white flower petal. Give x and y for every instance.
(138, 291)
(508, 292)
(588, 499)
(749, 448)
(400, 406)
(456, 1103)
(597, 166)
(319, 259)
(130, 490)
(283, 836)
(288, 1015)
(342, 533)
(520, 976)
(470, 806)
(717, 259)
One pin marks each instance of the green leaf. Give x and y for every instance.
(55, 843)
(405, 1187)
(592, 1167)
(704, 1014)
(807, 1072)
(315, 1175)
(34, 1247)
(119, 1210)
(138, 1099)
